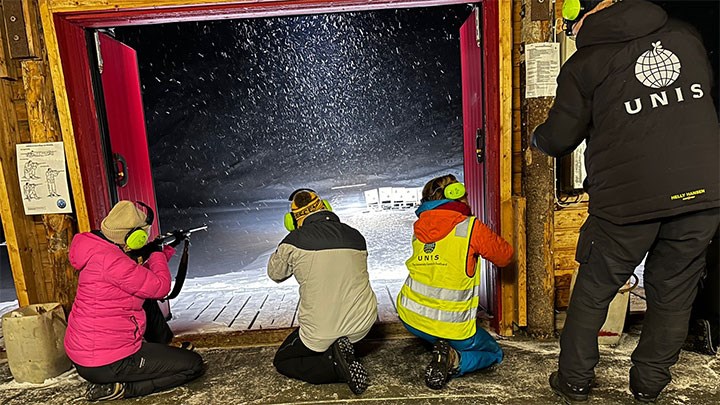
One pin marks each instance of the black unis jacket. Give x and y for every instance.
(329, 261)
(638, 91)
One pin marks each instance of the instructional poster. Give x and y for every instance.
(542, 66)
(43, 178)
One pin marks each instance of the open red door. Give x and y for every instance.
(477, 171)
(126, 123)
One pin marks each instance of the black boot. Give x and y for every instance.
(105, 392)
(568, 392)
(441, 366)
(700, 338)
(348, 367)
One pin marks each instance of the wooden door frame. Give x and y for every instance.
(56, 15)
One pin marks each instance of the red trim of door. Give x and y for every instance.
(78, 84)
(246, 9)
(491, 47)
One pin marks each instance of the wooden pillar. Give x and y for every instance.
(538, 188)
(38, 244)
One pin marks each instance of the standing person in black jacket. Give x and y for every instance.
(337, 306)
(637, 91)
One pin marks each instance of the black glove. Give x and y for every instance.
(179, 237)
(145, 251)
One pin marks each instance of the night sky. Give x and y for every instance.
(250, 109)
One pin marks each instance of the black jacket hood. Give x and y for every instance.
(621, 22)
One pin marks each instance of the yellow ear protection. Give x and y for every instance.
(290, 221)
(574, 10)
(138, 236)
(453, 191)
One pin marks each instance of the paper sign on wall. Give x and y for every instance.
(542, 65)
(43, 178)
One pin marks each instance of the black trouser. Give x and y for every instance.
(608, 254)
(155, 367)
(707, 303)
(295, 360)
(157, 329)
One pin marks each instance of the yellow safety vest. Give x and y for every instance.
(438, 297)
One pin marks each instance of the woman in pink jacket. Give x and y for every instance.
(106, 325)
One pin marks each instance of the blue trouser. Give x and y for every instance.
(476, 352)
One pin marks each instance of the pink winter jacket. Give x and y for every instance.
(107, 321)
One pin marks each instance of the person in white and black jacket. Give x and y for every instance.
(638, 92)
(337, 306)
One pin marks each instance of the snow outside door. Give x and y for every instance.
(126, 124)
(474, 131)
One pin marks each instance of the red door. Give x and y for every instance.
(478, 173)
(126, 123)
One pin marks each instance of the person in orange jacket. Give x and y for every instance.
(439, 300)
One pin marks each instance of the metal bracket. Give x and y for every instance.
(540, 10)
(480, 145)
(14, 21)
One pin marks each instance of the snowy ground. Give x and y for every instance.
(233, 254)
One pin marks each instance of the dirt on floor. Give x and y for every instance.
(245, 375)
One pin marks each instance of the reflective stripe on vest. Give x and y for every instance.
(438, 297)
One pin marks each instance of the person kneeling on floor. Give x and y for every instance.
(107, 323)
(337, 305)
(439, 300)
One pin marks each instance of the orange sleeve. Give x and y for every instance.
(490, 245)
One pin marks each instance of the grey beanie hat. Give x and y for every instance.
(123, 217)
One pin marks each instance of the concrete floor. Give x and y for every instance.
(246, 376)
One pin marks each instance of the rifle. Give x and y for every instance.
(161, 240)
(167, 239)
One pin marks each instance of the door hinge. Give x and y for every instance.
(98, 54)
(480, 145)
(14, 25)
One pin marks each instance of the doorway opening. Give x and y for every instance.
(256, 156)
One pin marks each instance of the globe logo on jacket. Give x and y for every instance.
(657, 68)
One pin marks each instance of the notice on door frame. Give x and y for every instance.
(43, 178)
(542, 65)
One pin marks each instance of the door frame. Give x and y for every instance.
(63, 22)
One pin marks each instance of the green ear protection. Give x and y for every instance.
(454, 191)
(574, 10)
(571, 9)
(289, 220)
(137, 237)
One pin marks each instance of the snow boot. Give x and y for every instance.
(443, 365)
(352, 372)
(568, 392)
(700, 338)
(184, 345)
(105, 392)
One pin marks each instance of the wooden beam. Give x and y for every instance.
(511, 294)
(65, 120)
(23, 244)
(45, 127)
(538, 188)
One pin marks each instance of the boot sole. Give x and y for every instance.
(353, 370)
(436, 373)
(567, 398)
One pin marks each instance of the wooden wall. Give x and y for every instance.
(567, 221)
(37, 244)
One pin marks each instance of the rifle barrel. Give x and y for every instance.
(199, 228)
